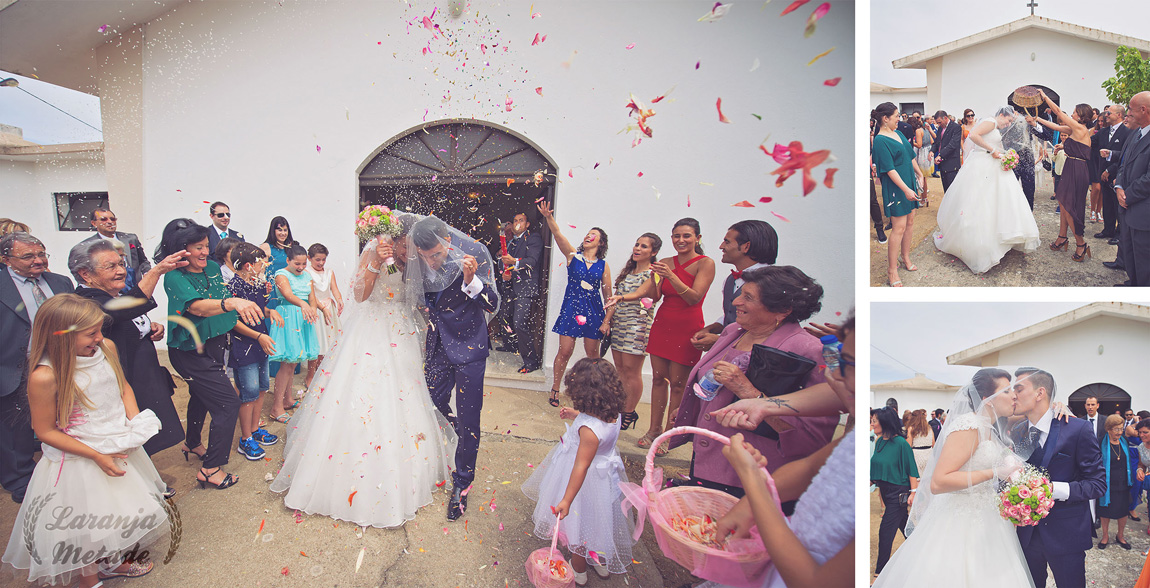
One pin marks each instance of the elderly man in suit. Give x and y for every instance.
(104, 220)
(947, 148)
(221, 217)
(1110, 141)
(1132, 188)
(25, 283)
(524, 254)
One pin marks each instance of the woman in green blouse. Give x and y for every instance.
(893, 157)
(893, 470)
(197, 293)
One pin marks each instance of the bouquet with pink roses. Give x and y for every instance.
(379, 221)
(1009, 160)
(1027, 497)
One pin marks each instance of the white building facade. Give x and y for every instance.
(913, 394)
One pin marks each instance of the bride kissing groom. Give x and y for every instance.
(996, 424)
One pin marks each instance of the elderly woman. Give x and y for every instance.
(198, 294)
(101, 270)
(773, 302)
(1114, 505)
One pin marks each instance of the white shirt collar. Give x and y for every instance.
(1043, 423)
(112, 238)
(739, 281)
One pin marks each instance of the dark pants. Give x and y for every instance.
(875, 209)
(17, 444)
(894, 519)
(443, 377)
(210, 392)
(522, 324)
(1069, 568)
(1024, 171)
(947, 178)
(1135, 248)
(1109, 210)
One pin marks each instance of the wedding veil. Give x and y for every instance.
(427, 234)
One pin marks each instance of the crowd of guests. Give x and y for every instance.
(900, 448)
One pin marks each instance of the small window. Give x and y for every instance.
(74, 209)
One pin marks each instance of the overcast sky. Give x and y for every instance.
(43, 124)
(903, 27)
(921, 335)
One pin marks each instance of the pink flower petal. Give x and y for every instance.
(536, 40)
(793, 7)
(743, 204)
(832, 82)
(765, 199)
(780, 217)
(631, 46)
(317, 149)
(829, 181)
(582, 320)
(719, 106)
(539, 90)
(819, 12)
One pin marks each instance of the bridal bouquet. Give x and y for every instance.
(379, 221)
(1027, 497)
(1009, 160)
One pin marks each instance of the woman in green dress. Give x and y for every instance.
(893, 157)
(894, 472)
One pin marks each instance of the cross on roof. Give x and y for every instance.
(1032, 5)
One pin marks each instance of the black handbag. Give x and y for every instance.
(605, 344)
(775, 372)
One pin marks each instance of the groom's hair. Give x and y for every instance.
(762, 237)
(1038, 378)
(427, 232)
(941, 114)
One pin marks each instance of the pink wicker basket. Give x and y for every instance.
(743, 564)
(539, 565)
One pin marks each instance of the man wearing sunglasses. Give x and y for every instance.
(104, 221)
(221, 217)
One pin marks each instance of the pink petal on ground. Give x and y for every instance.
(793, 7)
(722, 117)
(832, 82)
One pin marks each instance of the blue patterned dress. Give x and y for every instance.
(582, 299)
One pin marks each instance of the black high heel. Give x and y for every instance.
(1081, 256)
(628, 420)
(186, 450)
(1060, 244)
(554, 400)
(228, 481)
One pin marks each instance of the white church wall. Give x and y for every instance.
(236, 98)
(982, 76)
(1104, 349)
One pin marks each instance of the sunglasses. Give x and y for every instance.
(971, 115)
(223, 215)
(106, 219)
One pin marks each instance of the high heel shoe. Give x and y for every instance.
(1081, 256)
(628, 420)
(228, 481)
(554, 400)
(1060, 244)
(188, 450)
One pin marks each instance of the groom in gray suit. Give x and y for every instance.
(1132, 187)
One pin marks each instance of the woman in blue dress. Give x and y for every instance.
(588, 285)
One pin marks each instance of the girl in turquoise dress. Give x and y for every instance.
(295, 340)
(893, 157)
(588, 285)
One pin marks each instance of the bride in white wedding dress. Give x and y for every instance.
(955, 536)
(367, 445)
(984, 214)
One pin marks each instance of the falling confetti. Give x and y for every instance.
(719, 107)
(755, 64)
(508, 103)
(636, 110)
(780, 217)
(65, 331)
(697, 63)
(820, 56)
(793, 7)
(832, 82)
(582, 320)
(793, 159)
(640, 175)
(756, 116)
(191, 327)
(539, 90)
(631, 46)
(537, 40)
(829, 181)
(317, 149)
(103, 28)
(261, 529)
(765, 199)
(718, 11)
(819, 12)
(586, 286)
(743, 204)
(351, 497)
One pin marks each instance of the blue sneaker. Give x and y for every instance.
(264, 438)
(250, 449)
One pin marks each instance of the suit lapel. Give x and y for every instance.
(1048, 448)
(10, 296)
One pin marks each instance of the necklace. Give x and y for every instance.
(1117, 453)
(199, 289)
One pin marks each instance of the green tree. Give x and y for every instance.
(1132, 75)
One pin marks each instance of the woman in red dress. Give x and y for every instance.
(686, 277)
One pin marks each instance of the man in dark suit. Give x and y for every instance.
(221, 217)
(1132, 188)
(523, 259)
(1111, 173)
(456, 350)
(947, 148)
(104, 221)
(905, 128)
(1110, 142)
(936, 421)
(25, 283)
(1070, 454)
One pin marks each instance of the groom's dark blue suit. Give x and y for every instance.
(457, 350)
(1070, 454)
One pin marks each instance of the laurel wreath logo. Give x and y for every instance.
(175, 525)
(38, 503)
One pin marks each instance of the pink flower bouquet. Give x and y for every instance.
(1027, 497)
(1009, 160)
(379, 221)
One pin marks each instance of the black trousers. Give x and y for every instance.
(1109, 209)
(947, 178)
(894, 519)
(1024, 171)
(875, 209)
(519, 315)
(211, 392)
(467, 381)
(17, 443)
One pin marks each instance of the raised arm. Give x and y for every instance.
(1069, 125)
(560, 241)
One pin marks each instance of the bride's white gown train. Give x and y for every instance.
(984, 214)
(366, 444)
(961, 541)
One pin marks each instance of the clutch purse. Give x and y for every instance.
(775, 372)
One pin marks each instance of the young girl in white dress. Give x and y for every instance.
(328, 298)
(93, 491)
(579, 479)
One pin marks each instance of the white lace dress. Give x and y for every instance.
(325, 334)
(961, 541)
(984, 214)
(596, 521)
(367, 445)
(73, 507)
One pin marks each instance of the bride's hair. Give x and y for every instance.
(882, 111)
(1005, 111)
(984, 382)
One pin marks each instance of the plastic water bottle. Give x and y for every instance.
(708, 387)
(831, 347)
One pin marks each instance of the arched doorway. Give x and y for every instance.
(476, 176)
(1111, 398)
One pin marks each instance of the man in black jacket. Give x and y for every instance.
(947, 148)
